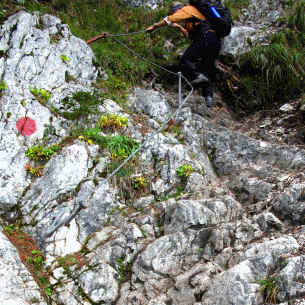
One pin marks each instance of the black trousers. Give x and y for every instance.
(200, 58)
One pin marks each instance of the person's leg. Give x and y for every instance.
(208, 65)
(190, 58)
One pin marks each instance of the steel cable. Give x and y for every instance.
(67, 220)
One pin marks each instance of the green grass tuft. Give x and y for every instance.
(276, 72)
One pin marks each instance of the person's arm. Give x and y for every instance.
(179, 16)
(155, 26)
(181, 28)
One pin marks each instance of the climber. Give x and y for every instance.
(198, 61)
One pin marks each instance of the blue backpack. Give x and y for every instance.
(218, 16)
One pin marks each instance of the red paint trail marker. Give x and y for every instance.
(26, 126)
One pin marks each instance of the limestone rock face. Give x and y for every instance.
(151, 103)
(17, 284)
(202, 215)
(32, 49)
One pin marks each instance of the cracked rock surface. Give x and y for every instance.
(213, 236)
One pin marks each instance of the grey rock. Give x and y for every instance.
(121, 245)
(239, 285)
(17, 285)
(62, 175)
(143, 202)
(69, 294)
(100, 284)
(286, 108)
(196, 183)
(248, 188)
(98, 206)
(174, 250)
(291, 204)
(268, 222)
(238, 40)
(200, 213)
(167, 255)
(233, 153)
(32, 61)
(166, 156)
(263, 12)
(150, 102)
(291, 279)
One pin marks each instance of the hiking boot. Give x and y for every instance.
(209, 101)
(200, 78)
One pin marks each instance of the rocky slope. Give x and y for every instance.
(229, 231)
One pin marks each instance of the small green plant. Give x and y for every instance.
(112, 122)
(35, 171)
(10, 228)
(39, 153)
(139, 182)
(2, 86)
(67, 261)
(114, 83)
(36, 259)
(2, 14)
(124, 268)
(54, 38)
(125, 172)
(41, 95)
(121, 146)
(185, 170)
(48, 291)
(270, 288)
(91, 135)
(64, 58)
(81, 104)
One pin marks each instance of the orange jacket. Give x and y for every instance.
(185, 14)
